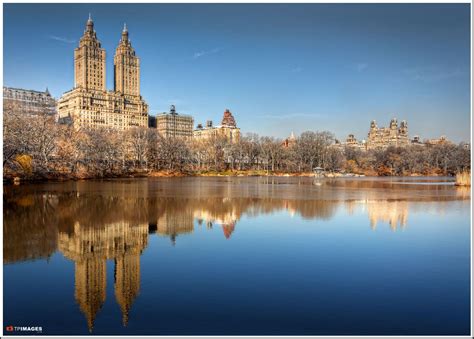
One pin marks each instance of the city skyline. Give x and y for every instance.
(337, 67)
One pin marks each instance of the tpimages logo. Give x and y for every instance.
(11, 328)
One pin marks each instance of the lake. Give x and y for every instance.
(240, 255)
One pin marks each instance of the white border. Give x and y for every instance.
(229, 2)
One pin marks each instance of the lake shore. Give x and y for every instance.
(60, 177)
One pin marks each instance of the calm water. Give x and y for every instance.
(238, 256)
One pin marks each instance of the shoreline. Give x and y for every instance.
(16, 179)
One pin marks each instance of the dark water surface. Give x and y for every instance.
(238, 256)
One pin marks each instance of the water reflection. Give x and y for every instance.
(90, 247)
(393, 213)
(92, 222)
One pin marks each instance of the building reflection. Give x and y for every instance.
(223, 213)
(173, 223)
(90, 248)
(91, 223)
(393, 213)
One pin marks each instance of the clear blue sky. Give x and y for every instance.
(277, 67)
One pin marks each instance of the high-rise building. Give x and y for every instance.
(89, 103)
(173, 125)
(29, 101)
(228, 129)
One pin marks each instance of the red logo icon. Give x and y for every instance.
(9, 328)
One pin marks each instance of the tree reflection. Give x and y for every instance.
(92, 222)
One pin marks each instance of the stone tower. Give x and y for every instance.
(126, 67)
(403, 128)
(89, 61)
(373, 126)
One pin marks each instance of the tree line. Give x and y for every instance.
(37, 146)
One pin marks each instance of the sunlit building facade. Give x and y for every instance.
(383, 137)
(173, 125)
(89, 103)
(227, 129)
(29, 101)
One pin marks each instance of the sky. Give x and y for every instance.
(279, 68)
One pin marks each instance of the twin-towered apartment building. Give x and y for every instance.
(90, 104)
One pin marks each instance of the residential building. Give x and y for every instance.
(227, 129)
(174, 125)
(89, 103)
(383, 137)
(29, 101)
(442, 140)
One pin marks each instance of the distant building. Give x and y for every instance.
(416, 141)
(228, 129)
(383, 137)
(442, 140)
(29, 101)
(174, 125)
(290, 141)
(351, 141)
(89, 103)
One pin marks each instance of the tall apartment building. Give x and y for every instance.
(173, 125)
(29, 101)
(89, 103)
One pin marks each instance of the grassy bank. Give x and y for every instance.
(463, 179)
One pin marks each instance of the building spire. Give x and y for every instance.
(90, 24)
(125, 33)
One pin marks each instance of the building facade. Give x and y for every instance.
(89, 103)
(228, 129)
(29, 101)
(383, 137)
(442, 140)
(174, 125)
